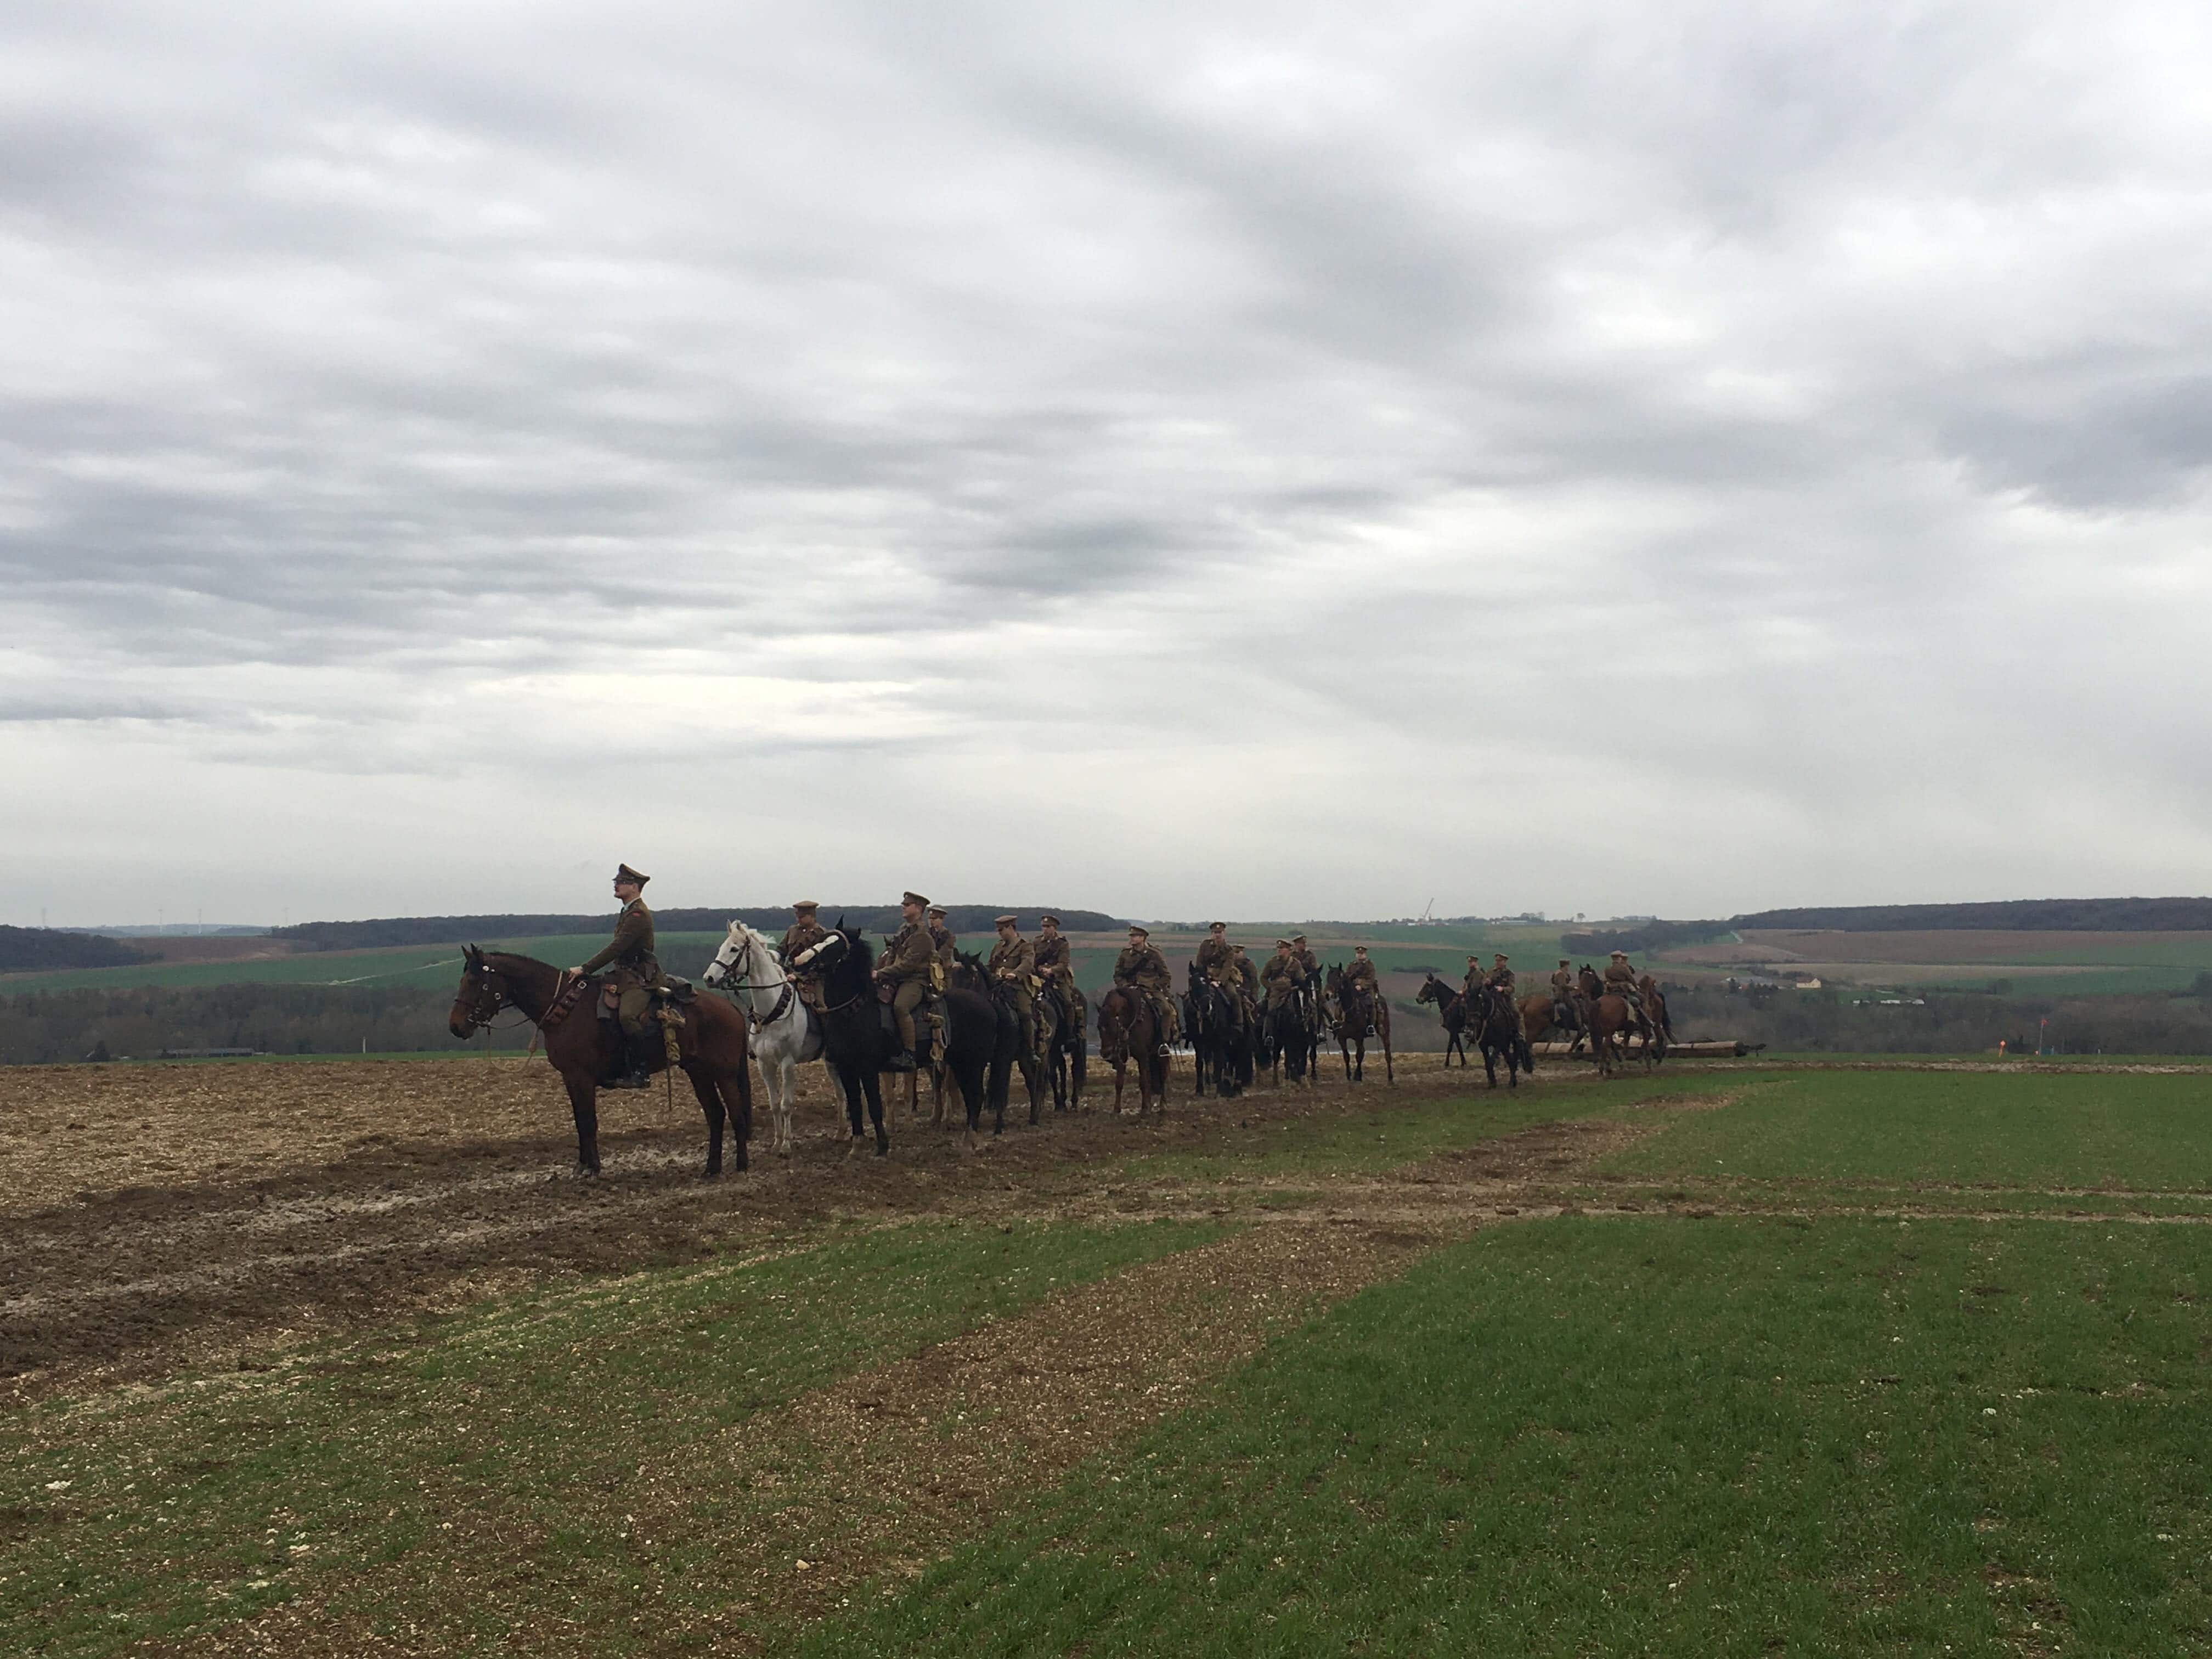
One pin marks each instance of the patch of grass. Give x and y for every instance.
(2136, 1131)
(1630, 1436)
(139, 1515)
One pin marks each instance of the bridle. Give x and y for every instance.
(783, 1002)
(491, 982)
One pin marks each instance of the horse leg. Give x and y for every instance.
(710, 1103)
(871, 1085)
(584, 1106)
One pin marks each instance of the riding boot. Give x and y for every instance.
(637, 1060)
(901, 1061)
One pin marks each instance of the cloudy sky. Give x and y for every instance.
(1290, 461)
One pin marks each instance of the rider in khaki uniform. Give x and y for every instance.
(803, 935)
(636, 972)
(1012, 961)
(1475, 980)
(944, 938)
(908, 962)
(1308, 963)
(1360, 973)
(1140, 967)
(1052, 963)
(1247, 974)
(1621, 979)
(1283, 976)
(1217, 965)
(1500, 977)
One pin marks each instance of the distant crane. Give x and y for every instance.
(1427, 910)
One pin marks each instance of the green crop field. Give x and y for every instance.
(413, 965)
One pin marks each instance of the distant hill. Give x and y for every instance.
(970, 921)
(2118, 915)
(23, 948)
(1653, 935)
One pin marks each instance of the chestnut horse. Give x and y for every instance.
(586, 1050)
(1613, 1021)
(1129, 1028)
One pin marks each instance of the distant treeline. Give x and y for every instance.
(57, 947)
(1948, 1023)
(2132, 915)
(43, 1027)
(966, 919)
(1650, 936)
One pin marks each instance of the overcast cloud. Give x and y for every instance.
(1277, 460)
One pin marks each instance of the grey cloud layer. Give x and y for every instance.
(1420, 442)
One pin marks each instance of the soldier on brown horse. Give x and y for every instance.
(1360, 1011)
(1130, 1029)
(708, 1036)
(1614, 1017)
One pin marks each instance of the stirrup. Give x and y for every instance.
(901, 1061)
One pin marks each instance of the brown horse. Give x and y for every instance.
(1357, 1015)
(1612, 1020)
(1129, 1028)
(586, 1050)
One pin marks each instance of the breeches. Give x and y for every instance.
(904, 1001)
(1025, 1011)
(637, 1003)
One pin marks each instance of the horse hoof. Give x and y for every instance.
(710, 1173)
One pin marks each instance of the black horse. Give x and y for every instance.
(1064, 1037)
(1290, 1036)
(1451, 1009)
(1220, 1039)
(981, 1056)
(1496, 1019)
(855, 1046)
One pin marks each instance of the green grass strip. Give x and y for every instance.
(2140, 1133)
(142, 1514)
(1666, 1437)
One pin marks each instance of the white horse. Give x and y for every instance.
(784, 1029)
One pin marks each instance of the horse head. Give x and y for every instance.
(479, 997)
(726, 958)
(1432, 990)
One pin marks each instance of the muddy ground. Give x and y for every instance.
(156, 1217)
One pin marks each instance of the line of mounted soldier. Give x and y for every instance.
(1257, 1006)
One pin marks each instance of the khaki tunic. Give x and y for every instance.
(1214, 958)
(942, 937)
(1501, 979)
(802, 936)
(1307, 961)
(908, 955)
(1145, 968)
(1562, 984)
(1051, 951)
(637, 970)
(631, 947)
(1621, 982)
(1361, 974)
(1281, 976)
(1012, 960)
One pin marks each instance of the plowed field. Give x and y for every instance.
(152, 1217)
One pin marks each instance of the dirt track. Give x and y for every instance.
(154, 1217)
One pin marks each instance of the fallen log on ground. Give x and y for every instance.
(1718, 1048)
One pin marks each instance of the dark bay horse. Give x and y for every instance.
(1065, 1036)
(986, 1045)
(586, 1050)
(855, 1045)
(1451, 1009)
(1129, 1028)
(1360, 1014)
(1220, 1040)
(1495, 1020)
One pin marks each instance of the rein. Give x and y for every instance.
(782, 1006)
